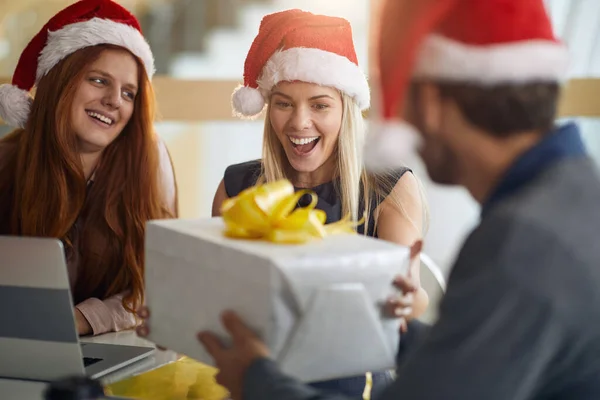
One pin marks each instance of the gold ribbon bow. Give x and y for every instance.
(269, 212)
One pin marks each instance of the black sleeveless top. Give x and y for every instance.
(242, 176)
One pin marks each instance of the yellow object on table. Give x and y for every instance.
(368, 386)
(184, 379)
(269, 212)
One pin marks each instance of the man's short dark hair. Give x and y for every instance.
(503, 110)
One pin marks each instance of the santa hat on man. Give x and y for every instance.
(83, 24)
(483, 42)
(296, 45)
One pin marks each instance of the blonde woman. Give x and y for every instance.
(304, 68)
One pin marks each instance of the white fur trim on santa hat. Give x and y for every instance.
(247, 102)
(389, 144)
(15, 105)
(316, 66)
(449, 60)
(95, 31)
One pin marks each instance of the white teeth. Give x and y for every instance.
(100, 117)
(303, 140)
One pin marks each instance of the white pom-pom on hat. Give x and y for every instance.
(80, 25)
(15, 105)
(389, 144)
(247, 102)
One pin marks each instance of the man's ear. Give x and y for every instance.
(429, 104)
(407, 110)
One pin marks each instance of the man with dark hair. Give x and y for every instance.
(503, 116)
(479, 80)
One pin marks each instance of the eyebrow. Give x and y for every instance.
(107, 75)
(312, 98)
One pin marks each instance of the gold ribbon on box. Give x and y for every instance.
(269, 212)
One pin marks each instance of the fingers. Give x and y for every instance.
(399, 307)
(142, 331)
(404, 284)
(394, 310)
(212, 344)
(416, 248)
(238, 330)
(143, 312)
(219, 378)
(403, 325)
(404, 301)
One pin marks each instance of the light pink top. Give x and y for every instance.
(109, 315)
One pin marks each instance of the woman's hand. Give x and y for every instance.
(143, 330)
(144, 314)
(401, 306)
(83, 326)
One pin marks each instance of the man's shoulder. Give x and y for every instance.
(543, 240)
(570, 188)
(560, 207)
(561, 203)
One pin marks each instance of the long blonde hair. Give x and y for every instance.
(354, 183)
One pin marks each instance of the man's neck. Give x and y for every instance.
(483, 170)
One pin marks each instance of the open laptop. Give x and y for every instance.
(38, 336)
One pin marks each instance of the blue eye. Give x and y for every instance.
(99, 81)
(129, 95)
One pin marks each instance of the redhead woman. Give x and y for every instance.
(303, 69)
(85, 164)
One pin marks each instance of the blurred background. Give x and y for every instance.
(200, 47)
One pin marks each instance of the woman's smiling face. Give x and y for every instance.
(306, 118)
(104, 101)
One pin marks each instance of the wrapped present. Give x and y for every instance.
(312, 292)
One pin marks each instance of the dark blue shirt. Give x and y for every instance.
(564, 142)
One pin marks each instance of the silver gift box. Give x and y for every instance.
(317, 306)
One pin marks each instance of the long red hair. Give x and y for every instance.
(44, 193)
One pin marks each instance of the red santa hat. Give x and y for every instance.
(83, 24)
(295, 45)
(487, 42)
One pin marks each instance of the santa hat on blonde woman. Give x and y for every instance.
(486, 42)
(295, 45)
(83, 24)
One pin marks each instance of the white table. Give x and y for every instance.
(11, 389)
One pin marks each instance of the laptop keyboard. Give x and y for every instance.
(87, 361)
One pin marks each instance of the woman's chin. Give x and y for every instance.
(93, 145)
(306, 165)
